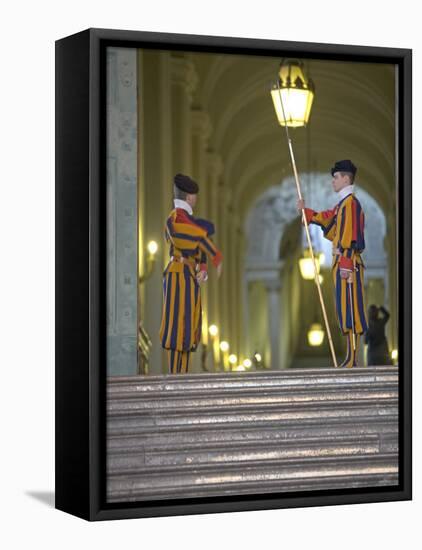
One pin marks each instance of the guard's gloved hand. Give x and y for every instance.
(300, 205)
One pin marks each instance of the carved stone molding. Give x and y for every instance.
(201, 124)
(215, 164)
(183, 73)
(267, 273)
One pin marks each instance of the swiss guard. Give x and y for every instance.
(190, 246)
(344, 226)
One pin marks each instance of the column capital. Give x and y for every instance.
(269, 274)
(201, 124)
(183, 73)
(215, 164)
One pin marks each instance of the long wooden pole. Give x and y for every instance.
(308, 236)
(349, 284)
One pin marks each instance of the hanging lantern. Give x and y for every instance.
(306, 265)
(315, 335)
(296, 92)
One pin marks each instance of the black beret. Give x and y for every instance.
(186, 184)
(344, 166)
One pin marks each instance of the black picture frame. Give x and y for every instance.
(80, 273)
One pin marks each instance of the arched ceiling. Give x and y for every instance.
(353, 116)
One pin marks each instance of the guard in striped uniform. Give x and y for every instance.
(190, 246)
(344, 226)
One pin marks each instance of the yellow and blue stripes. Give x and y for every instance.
(189, 238)
(344, 226)
(181, 322)
(348, 302)
(181, 318)
(178, 361)
(352, 350)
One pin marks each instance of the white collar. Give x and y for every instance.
(342, 194)
(178, 203)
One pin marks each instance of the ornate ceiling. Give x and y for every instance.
(353, 116)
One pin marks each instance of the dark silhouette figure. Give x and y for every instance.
(375, 338)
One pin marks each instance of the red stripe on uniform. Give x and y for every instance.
(182, 217)
(328, 213)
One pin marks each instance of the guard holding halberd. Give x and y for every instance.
(344, 226)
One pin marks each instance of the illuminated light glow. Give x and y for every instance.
(315, 335)
(258, 357)
(307, 269)
(297, 95)
(394, 355)
(322, 258)
(247, 363)
(213, 329)
(232, 359)
(321, 279)
(152, 247)
(224, 346)
(297, 106)
(239, 368)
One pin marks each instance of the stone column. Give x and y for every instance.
(184, 80)
(237, 285)
(201, 130)
(273, 293)
(392, 278)
(165, 156)
(231, 279)
(246, 340)
(155, 129)
(122, 241)
(224, 230)
(214, 169)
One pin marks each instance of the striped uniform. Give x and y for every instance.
(181, 323)
(344, 226)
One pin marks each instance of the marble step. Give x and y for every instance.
(271, 476)
(256, 400)
(125, 460)
(259, 414)
(234, 433)
(273, 380)
(384, 431)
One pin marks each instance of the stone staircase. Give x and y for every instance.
(237, 433)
